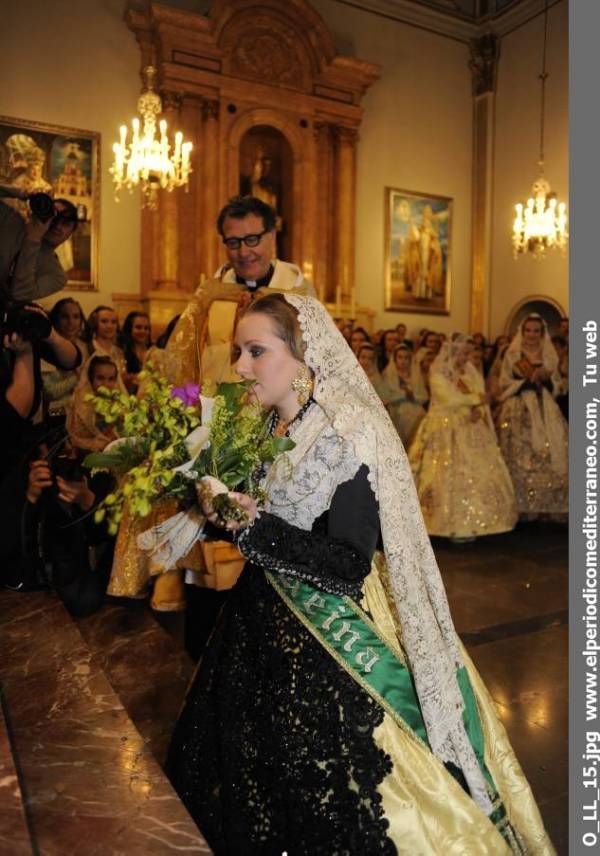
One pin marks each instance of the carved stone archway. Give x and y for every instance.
(248, 63)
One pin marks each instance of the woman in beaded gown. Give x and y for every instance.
(532, 432)
(462, 482)
(335, 710)
(403, 400)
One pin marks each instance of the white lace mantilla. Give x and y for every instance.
(301, 483)
(351, 427)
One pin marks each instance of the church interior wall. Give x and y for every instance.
(78, 66)
(415, 135)
(517, 135)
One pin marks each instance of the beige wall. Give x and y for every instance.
(76, 64)
(416, 135)
(516, 155)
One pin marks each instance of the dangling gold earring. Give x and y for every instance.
(302, 385)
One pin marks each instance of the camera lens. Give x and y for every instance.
(42, 206)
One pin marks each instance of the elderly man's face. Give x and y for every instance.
(249, 262)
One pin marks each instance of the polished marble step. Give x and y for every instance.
(90, 782)
(14, 832)
(146, 667)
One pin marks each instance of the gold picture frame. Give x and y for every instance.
(418, 229)
(64, 162)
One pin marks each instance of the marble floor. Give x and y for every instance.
(509, 598)
(508, 595)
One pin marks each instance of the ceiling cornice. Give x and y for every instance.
(448, 24)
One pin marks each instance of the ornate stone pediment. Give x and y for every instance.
(267, 50)
(248, 74)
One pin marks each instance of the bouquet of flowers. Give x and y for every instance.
(175, 437)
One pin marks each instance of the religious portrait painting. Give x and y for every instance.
(64, 163)
(417, 252)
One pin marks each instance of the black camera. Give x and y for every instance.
(25, 319)
(42, 206)
(67, 468)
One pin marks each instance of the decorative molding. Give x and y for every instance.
(452, 24)
(171, 101)
(263, 53)
(210, 108)
(485, 52)
(252, 65)
(344, 135)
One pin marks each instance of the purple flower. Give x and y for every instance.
(189, 394)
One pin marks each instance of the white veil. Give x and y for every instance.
(429, 639)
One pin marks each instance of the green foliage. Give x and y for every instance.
(155, 428)
(239, 440)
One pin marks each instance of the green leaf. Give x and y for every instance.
(119, 460)
(233, 393)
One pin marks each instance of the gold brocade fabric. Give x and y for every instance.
(539, 487)
(429, 813)
(462, 481)
(183, 354)
(132, 570)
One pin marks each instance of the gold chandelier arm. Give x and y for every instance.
(543, 77)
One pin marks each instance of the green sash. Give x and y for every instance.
(351, 638)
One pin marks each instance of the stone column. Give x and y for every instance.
(344, 212)
(324, 212)
(168, 255)
(187, 200)
(483, 65)
(211, 204)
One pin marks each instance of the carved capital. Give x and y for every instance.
(345, 136)
(485, 52)
(210, 108)
(171, 101)
(322, 130)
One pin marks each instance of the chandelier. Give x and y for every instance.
(541, 224)
(148, 161)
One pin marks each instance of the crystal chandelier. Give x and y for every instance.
(148, 161)
(541, 224)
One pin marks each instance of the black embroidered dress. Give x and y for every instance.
(273, 752)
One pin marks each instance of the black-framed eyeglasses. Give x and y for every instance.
(248, 240)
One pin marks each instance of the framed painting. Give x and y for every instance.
(65, 163)
(417, 252)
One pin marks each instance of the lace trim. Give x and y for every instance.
(363, 427)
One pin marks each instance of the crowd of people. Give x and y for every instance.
(334, 709)
(484, 423)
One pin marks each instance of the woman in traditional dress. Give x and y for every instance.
(404, 401)
(462, 481)
(321, 720)
(59, 384)
(103, 332)
(86, 430)
(389, 342)
(367, 360)
(532, 431)
(136, 342)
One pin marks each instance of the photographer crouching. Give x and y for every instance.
(48, 537)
